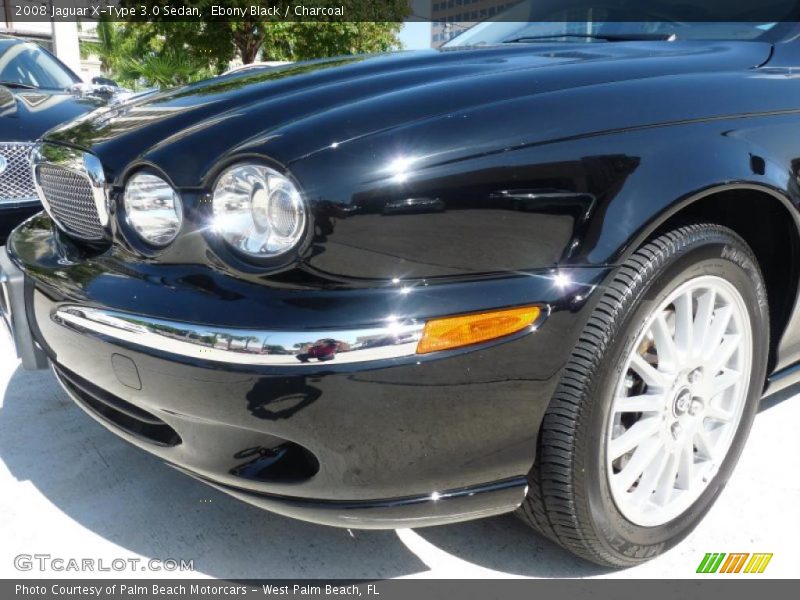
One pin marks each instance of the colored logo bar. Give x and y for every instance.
(736, 562)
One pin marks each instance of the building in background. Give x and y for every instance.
(451, 17)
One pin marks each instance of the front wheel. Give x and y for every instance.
(656, 401)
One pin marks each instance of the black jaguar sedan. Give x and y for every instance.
(550, 268)
(37, 92)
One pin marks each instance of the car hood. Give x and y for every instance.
(292, 112)
(25, 115)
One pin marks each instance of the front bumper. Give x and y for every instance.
(14, 316)
(377, 442)
(12, 214)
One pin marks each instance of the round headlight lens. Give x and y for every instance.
(152, 209)
(258, 211)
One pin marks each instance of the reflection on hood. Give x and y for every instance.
(7, 103)
(25, 115)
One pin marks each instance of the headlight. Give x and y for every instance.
(152, 209)
(258, 211)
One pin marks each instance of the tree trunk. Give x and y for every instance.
(249, 41)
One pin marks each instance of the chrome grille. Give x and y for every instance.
(69, 199)
(16, 181)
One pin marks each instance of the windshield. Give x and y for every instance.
(27, 64)
(571, 20)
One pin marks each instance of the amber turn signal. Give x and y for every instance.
(463, 330)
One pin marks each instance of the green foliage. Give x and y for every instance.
(168, 53)
(163, 69)
(308, 40)
(104, 47)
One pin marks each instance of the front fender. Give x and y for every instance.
(681, 165)
(585, 201)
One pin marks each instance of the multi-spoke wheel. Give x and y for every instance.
(679, 400)
(657, 401)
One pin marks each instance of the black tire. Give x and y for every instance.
(568, 499)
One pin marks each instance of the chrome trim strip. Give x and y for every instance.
(244, 346)
(81, 163)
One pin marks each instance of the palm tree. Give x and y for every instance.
(105, 46)
(163, 69)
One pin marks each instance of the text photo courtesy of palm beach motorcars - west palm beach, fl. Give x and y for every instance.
(518, 299)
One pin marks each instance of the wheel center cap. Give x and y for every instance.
(683, 400)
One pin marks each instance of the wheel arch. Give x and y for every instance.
(766, 219)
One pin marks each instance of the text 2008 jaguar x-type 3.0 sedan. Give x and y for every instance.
(537, 271)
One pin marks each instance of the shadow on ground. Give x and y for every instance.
(773, 400)
(133, 500)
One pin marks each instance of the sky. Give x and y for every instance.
(416, 35)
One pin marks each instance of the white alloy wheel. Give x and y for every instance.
(679, 400)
